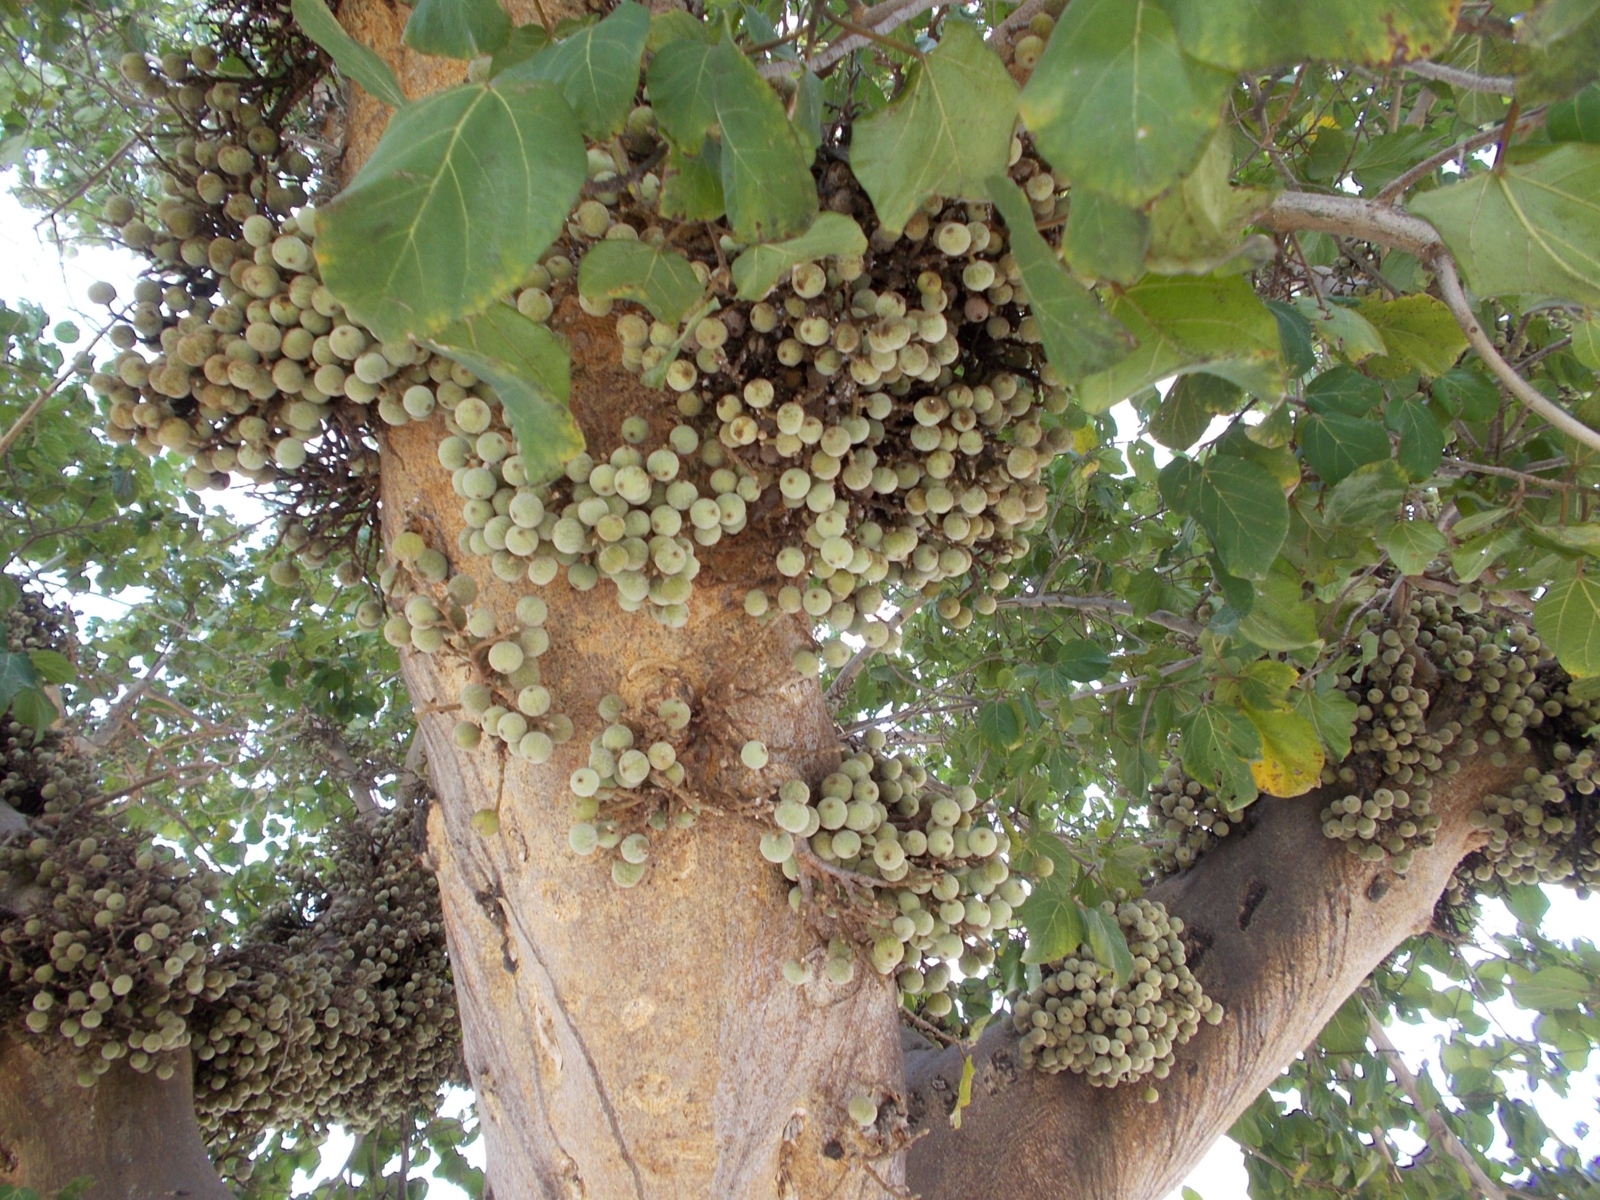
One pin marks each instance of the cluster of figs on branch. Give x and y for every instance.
(879, 410)
(337, 1006)
(1444, 679)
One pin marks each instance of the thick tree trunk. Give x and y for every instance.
(135, 1135)
(1286, 924)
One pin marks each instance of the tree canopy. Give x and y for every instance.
(1130, 416)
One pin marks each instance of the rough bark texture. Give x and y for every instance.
(134, 1134)
(1285, 925)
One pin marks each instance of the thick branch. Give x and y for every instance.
(135, 1135)
(1284, 924)
(1350, 217)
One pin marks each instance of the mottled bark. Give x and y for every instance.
(135, 1135)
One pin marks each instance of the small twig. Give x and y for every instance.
(1456, 300)
(872, 35)
(1466, 81)
(1111, 689)
(929, 1028)
(810, 858)
(1400, 184)
(32, 411)
(847, 674)
(1462, 467)
(1024, 13)
(1373, 222)
(1506, 131)
(881, 19)
(1167, 620)
(1442, 1135)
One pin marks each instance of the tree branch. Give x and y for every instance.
(847, 674)
(1108, 604)
(1280, 949)
(1440, 1134)
(1466, 81)
(1373, 222)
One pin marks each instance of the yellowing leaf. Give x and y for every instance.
(1291, 753)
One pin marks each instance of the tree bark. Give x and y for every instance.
(1285, 924)
(134, 1134)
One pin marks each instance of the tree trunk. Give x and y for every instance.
(134, 1134)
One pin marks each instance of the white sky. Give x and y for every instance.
(35, 271)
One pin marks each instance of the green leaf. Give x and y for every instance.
(683, 92)
(1553, 989)
(1335, 443)
(1530, 229)
(1422, 440)
(1053, 919)
(1115, 105)
(52, 666)
(31, 707)
(661, 280)
(832, 235)
(765, 169)
(1528, 903)
(1217, 745)
(464, 192)
(1000, 725)
(1188, 323)
(1079, 337)
(457, 28)
(1331, 713)
(1104, 239)
(1346, 1032)
(528, 369)
(947, 134)
(1295, 335)
(1412, 545)
(1467, 394)
(525, 41)
(1243, 35)
(1346, 331)
(1586, 343)
(355, 61)
(807, 115)
(1577, 119)
(1343, 390)
(1280, 618)
(692, 187)
(677, 25)
(16, 673)
(1109, 943)
(1082, 660)
(1558, 50)
(1183, 415)
(1367, 495)
(1195, 227)
(597, 68)
(1243, 510)
(1568, 617)
(1417, 331)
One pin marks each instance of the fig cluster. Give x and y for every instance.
(1448, 680)
(1081, 1019)
(914, 871)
